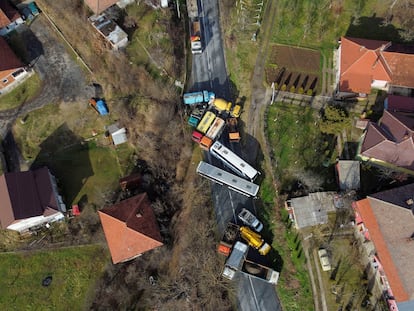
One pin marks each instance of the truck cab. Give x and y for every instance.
(254, 240)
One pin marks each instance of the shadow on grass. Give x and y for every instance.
(375, 28)
(68, 159)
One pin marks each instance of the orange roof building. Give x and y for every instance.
(388, 217)
(370, 63)
(130, 228)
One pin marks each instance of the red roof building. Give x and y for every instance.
(370, 63)
(130, 228)
(10, 66)
(98, 6)
(29, 199)
(388, 217)
(391, 142)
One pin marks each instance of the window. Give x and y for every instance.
(5, 81)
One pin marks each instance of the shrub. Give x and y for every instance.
(300, 90)
(292, 89)
(309, 92)
(283, 88)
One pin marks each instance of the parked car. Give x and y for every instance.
(324, 259)
(249, 219)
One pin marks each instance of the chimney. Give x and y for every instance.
(409, 201)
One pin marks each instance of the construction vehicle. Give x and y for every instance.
(254, 240)
(249, 219)
(235, 261)
(99, 105)
(206, 122)
(222, 105)
(196, 115)
(260, 271)
(195, 29)
(212, 134)
(234, 135)
(200, 97)
(230, 235)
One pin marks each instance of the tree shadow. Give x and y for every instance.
(374, 28)
(65, 154)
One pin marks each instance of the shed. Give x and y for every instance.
(117, 134)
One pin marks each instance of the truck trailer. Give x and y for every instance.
(212, 134)
(195, 29)
(200, 97)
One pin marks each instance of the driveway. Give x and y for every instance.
(62, 77)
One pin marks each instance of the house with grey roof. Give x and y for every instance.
(29, 199)
(385, 223)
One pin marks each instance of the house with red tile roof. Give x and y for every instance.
(11, 68)
(365, 64)
(386, 221)
(98, 6)
(130, 228)
(390, 143)
(9, 17)
(29, 199)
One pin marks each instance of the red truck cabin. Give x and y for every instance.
(197, 136)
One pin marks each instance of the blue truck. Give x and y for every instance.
(196, 115)
(195, 98)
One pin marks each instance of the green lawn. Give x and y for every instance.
(74, 272)
(297, 144)
(21, 94)
(55, 136)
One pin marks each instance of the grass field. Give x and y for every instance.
(74, 272)
(21, 94)
(298, 146)
(55, 136)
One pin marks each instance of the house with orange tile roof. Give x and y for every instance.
(9, 17)
(390, 143)
(365, 64)
(385, 223)
(29, 199)
(11, 68)
(130, 228)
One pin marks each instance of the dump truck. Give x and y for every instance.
(195, 27)
(230, 235)
(234, 135)
(200, 97)
(235, 261)
(254, 240)
(99, 105)
(259, 271)
(213, 133)
(196, 115)
(222, 105)
(206, 122)
(251, 220)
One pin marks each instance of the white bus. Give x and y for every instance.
(233, 161)
(222, 177)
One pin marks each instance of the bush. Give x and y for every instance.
(309, 92)
(292, 89)
(300, 90)
(283, 88)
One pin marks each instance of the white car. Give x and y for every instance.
(324, 259)
(249, 219)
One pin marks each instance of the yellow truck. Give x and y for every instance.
(254, 240)
(224, 106)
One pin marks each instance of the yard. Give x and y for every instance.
(299, 150)
(61, 137)
(74, 272)
(21, 94)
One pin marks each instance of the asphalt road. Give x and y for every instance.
(209, 72)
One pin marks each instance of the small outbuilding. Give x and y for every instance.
(116, 134)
